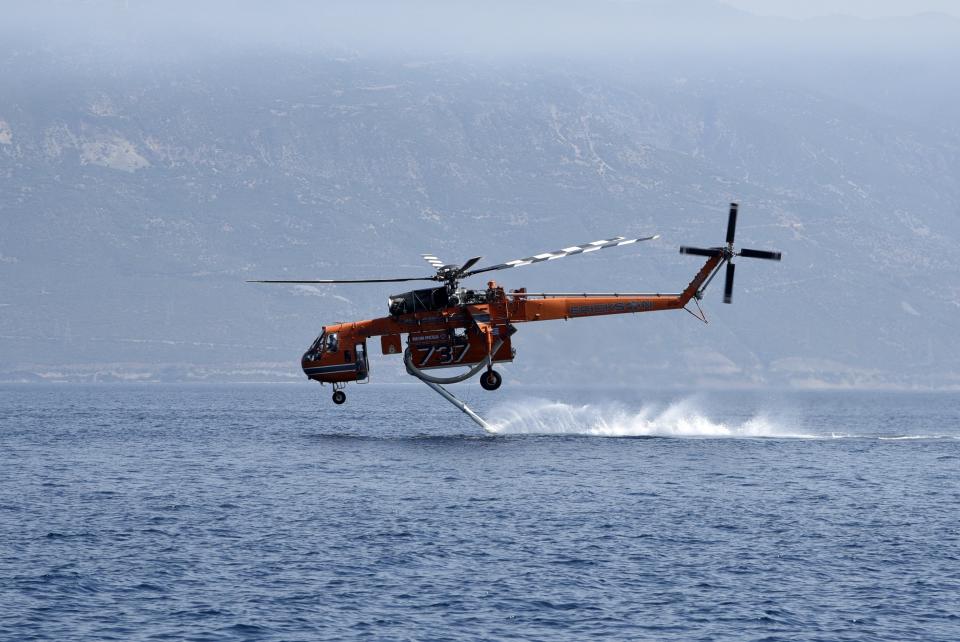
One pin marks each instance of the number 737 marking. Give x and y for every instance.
(446, 354)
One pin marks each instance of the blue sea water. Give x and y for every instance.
(215, 512)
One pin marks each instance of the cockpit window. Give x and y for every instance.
(324, 343)
(318, 343)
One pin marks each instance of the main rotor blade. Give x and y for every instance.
(567, 251)
(701, 251)
(728, 284)
(760, 254)
(469, 264)
(732, 223)
(328, 281)
(433, 260)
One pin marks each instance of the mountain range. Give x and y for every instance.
(142, 186)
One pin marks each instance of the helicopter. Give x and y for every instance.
(449, 326)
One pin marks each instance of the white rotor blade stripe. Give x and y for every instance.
(432, 260)
(567, 251)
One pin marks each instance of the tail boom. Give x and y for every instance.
(526, 307)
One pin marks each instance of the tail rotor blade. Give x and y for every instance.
(701, 251)
(728, 285)
(760, 254)
(732, 223)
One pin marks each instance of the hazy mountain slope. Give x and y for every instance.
(138, 195)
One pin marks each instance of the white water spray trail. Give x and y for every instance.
(679, 419)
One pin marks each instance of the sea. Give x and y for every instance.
(265, 512)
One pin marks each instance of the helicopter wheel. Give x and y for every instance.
(339, 396)
(491, 380)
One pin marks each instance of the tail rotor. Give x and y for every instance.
(728, 251)
(728, 283)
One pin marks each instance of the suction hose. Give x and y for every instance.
(423, 376)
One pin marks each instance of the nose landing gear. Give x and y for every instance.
(490, 380)
(339, 396)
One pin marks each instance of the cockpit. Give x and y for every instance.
(326, 342)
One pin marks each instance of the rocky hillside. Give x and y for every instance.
(138, 193)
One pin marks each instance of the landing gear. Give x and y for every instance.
(339, 396)
(490, 380)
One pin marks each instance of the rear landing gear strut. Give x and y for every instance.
(339, 396)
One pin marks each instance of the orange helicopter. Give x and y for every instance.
(450, 326)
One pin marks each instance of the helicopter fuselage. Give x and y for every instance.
(448, 326)
(444, 335)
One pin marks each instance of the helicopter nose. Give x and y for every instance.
(309, 362)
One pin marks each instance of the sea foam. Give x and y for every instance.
(683, 418)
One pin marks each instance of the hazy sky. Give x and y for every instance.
(861, 8)
(588, 28)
